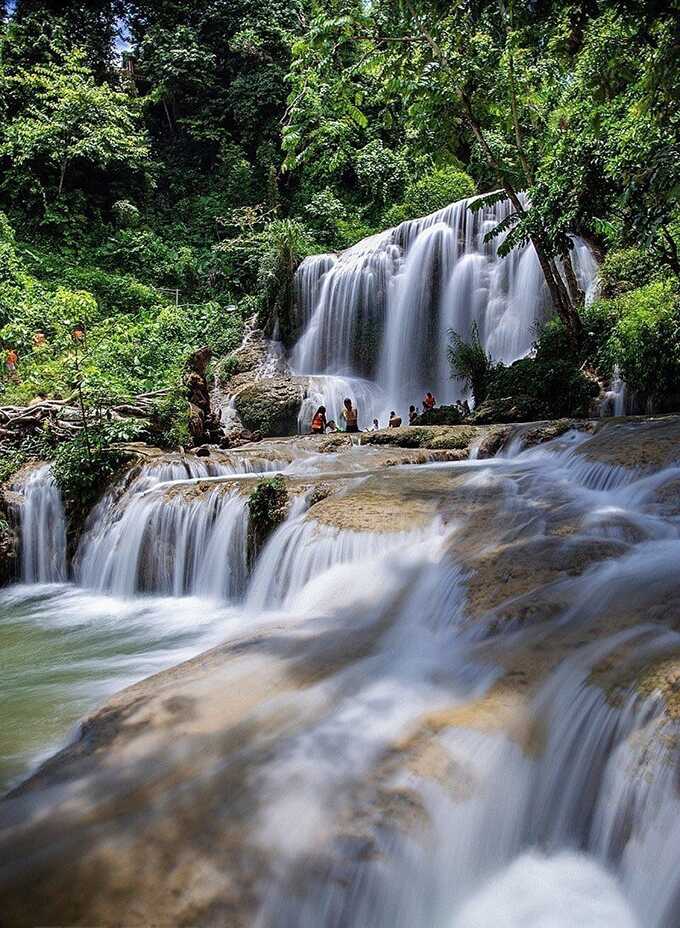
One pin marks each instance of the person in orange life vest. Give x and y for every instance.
(429, 402)
(318, 426)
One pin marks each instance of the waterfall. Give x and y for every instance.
(614, 401)
(374, 320)
(302, 550)
(160, 535)
(43, 528)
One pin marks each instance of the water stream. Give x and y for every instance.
(404, 765)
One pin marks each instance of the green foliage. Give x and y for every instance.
(641, 334)
(268, 505)
(432, 192)
(62, 124)
(83, 466)
(627, 269)
(564, 389)
(637, 330)
(170, 420)
(470, 363)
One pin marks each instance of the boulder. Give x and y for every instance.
(510, 409)
(270, 407)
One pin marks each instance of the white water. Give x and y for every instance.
(374, 320)
(565, 817)
(43, 528)
(614, 401)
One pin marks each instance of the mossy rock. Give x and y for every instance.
(268, 505)
(270, 407)
(443, 437)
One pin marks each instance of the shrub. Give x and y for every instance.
(430, 193)
(470, 363)
(82, 472)
(268, 504)
(114, 293)
(625, 270)
(645, 339)
(564, 389)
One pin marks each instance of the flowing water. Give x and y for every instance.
(374, 320)
(397, 757)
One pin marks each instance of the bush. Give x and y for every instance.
(268, 504)
(82, 473)
(560, 385)
(114, 293)
(170, 420)
(645, 339)
(470, 363)
(432, 192)
(626, 270)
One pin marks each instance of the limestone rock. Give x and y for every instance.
(270, 407)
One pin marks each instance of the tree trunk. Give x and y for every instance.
(562, 303)
(62, 175)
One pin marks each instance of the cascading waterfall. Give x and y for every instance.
(302, 550)
(374, 320)
(159, 537)
(43, 529)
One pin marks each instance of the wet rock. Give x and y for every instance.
(270, 407)
(492, 443)
(9, 536)
(203, 451)
(442, 437)
(635, 443)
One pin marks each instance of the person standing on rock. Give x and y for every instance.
(350, 414)
(412, 414)
(395, 420)
(318, 426)
(429, 402)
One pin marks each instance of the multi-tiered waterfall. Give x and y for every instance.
(374, 320)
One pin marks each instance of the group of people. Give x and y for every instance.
(320, 424)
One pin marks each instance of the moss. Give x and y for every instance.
(442, 437)
(268, 505)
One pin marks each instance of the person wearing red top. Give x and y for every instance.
(429, 402)
(318, 426)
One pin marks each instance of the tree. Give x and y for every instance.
(61, 123)
(552, 99)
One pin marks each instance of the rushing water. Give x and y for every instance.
(374, 320)
(552, 810)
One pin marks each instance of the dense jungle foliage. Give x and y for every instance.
(165, 166)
